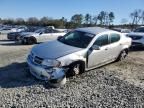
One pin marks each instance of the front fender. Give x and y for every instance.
(68, 59)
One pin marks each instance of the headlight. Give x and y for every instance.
(51, 63)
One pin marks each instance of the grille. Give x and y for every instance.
(37, 60)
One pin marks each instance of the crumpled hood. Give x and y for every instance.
(136, 34)
(53, 50)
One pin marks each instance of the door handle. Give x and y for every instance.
(106, 48)
(120, 44)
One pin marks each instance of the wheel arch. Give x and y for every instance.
(32, 37)
(118, 57)
(77, 61)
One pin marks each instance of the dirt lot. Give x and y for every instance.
(117, 85)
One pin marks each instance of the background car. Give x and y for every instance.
(137, 37)
(40, 35)
(121, 30)
(14, 35)
(9, 29)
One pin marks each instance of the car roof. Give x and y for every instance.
(93, 30)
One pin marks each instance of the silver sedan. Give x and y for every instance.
(79, 50)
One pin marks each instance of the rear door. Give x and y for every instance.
(44, 36)
(115, 45)
(56, 34)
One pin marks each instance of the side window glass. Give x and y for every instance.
(55, 31)
(114, 37)
(102, 40)
(48, 31)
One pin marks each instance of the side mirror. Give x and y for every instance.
(95, 47)
(41, 33)
(59, 37)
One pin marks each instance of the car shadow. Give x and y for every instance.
(132, 49)
(8, 42)
(5, 40)
(17, 75)
(11, 44)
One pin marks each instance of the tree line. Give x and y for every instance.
(77, 20)
(103, 18)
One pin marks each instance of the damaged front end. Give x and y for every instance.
(47, 70)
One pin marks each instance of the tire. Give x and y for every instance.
(76, 69)
(31, 41)
(16, 38)
(122, 55)
(24, 41)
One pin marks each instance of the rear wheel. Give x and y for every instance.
(76, 68)
(122, 55)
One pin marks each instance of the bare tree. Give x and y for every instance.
(63, 21)
(136, 16)
(101, 17)
(142, 17)
(95, 20)
(32, 21)
(44, 21)
(77, 18)
(106, 18)
(111, 17)
(19, 21)
(0, 20)
(88, 19)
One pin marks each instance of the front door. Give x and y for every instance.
(98, 57)
(45, 36)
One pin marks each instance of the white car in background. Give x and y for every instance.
(121, 30)
(7, 30)
(137, 37)
(40, 35)
(79, 50)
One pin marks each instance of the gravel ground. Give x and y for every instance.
(117, 85)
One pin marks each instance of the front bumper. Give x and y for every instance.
(45, 74)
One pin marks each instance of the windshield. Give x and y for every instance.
(77, 39)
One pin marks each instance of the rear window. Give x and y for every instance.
(102, 40)
(114, 37)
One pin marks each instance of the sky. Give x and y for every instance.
(66, 8)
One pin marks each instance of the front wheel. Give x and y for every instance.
(76, 68)
(31, 41)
